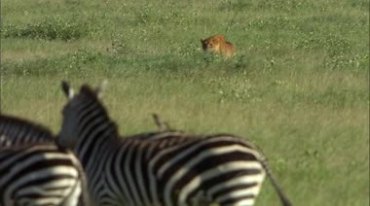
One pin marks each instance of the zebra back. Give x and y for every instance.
(16, 131)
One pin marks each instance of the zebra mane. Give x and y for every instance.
(88, 91)
(92, 94)
(7, 121)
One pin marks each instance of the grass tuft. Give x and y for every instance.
(49, 29)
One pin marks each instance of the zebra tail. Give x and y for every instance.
(283, 198)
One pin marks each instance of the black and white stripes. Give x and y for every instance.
(34, 170)
(16, 131)
(159, 168)
(41, 174)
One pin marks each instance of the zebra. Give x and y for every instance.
(40, 175)
(36, 171)
(17, 131)
(163, 168)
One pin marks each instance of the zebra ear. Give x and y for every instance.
(68, 91)
(101, 88)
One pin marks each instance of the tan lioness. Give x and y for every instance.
(218, 45)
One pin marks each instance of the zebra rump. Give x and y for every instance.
(39, 175)
(34, 170)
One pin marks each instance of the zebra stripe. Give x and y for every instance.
(34, 170)
(161, 168)
(16, 131)
(39, 175)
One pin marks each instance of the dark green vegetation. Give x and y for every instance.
(298, 86)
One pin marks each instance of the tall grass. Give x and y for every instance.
(298, 85)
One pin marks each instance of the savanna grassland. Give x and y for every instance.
(298, 86)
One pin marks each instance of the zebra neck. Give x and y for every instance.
(93, 163)
(95, 140)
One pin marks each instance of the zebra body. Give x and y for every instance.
(34, 170)
(16, 131)
(158, 168)
(41, 174)
(175, 169)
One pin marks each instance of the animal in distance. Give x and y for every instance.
(217, 44)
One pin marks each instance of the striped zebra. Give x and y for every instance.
(35, 171)
(16, 131)
(166, 168)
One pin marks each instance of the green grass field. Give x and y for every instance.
(298, 86)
